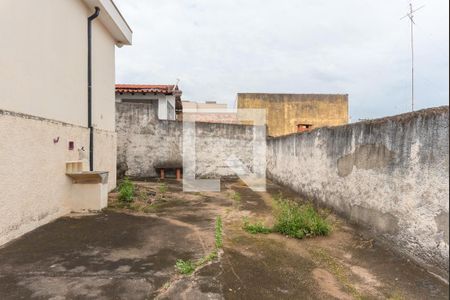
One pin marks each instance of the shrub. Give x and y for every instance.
(126, 191)
(299, 221)
(255, 228)
(185, 267)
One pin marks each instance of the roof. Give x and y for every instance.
(113, 20)
(148, 88)
(165, 89)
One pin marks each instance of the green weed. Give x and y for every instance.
(255, 228)
(185, 267)
(218, 233)
(126, 191)
(211, 256)
(299, 221)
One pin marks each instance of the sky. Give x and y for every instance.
(357, 47)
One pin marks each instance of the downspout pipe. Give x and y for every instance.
(91, 128)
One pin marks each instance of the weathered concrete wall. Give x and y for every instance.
(390, 175)
(144, 142)
(286, 111)
(33, 154)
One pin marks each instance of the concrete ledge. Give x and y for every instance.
(89, 177)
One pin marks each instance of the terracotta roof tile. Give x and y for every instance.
(148, 88)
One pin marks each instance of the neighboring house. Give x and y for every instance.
(168, 97)
(290, 113)
(46, 121)
(210, 112)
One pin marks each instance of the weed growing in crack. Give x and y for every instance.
(185, 267)
(218, 233)
(207, 258)
(255, 228)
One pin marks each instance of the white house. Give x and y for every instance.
(168, 97)
(56, 107)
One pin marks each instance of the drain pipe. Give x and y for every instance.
(91, 129)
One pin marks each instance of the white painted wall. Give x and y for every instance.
(34, 187)
(163, 102)
(43, 59)
(43, 79)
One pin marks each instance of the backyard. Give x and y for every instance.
(155, 241)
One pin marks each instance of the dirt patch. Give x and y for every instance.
(328, 283)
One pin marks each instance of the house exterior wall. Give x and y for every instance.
(43, 106)
(286, 111)
(44, 62)
(388, 175)
(35, 189)
(163, 100)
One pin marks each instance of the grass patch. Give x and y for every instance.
(185, 267)
(299, 220)
(126, 191)
(292, 219)
(255, 228)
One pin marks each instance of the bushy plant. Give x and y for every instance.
(299, 221)
(126, 191)
(255, 228)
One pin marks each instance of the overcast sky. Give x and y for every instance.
(356, 47)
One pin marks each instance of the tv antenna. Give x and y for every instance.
(410, 16)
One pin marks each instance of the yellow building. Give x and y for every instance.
(290, 113)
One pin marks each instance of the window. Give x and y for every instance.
(304, 127)
(170, 111)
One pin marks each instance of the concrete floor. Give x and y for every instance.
(121, 254)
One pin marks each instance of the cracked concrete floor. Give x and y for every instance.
(124, 254)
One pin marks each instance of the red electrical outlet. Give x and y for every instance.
(71, 145)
